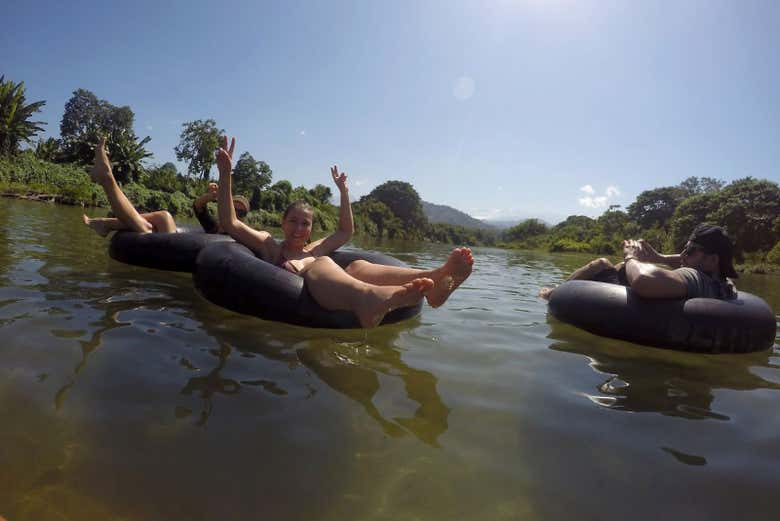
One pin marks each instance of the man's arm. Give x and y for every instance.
(650, 281)
(648, 254)
(201, 211)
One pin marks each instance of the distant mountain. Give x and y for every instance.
(439, 213)
(503, 224)
(508, 223)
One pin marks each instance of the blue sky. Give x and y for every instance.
(500, 108)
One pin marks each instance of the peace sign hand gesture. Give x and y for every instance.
(225, 156)
(339, 178)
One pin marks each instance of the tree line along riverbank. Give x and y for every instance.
(55, 169)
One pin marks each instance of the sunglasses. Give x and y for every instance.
(240, 211)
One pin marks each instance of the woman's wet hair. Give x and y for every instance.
(300, 204)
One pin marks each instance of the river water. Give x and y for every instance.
(126, 395)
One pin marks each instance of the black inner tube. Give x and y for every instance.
(703, 325)
(162, 251)
(231, 276)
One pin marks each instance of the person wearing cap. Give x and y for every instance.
(206, 220)
(128, 218)
(702, 269)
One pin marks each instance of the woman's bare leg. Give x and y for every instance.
(333, 288)
(161, 221)
(584, 273)
(121, 206)
(446, 278)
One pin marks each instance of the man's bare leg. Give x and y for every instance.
(121, 206)
(586, 272)
(446, 278)
(590, 269)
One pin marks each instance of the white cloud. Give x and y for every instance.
(149, 127)
(303, 132)
(593, 202)
(597, 201)
(358, 182)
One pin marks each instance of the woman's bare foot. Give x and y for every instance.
(99, 225)
(545, 293)
(102, 166)
(450, 276)
(381, 300)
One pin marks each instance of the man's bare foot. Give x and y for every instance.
(102, 166)
(450, 276)
(99, 225)
(381, 300)
(545, 293)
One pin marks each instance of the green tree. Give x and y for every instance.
(48, 149)
(404, 201)
(15, 114)
(127, 155)
(274, 199)
(250, 175)
(378, 213)
(700, 185)
(525, 230)
(748, 208)
(654, 208)
(321, 193)
(616, 224)
(164, 177)
(691, 212)
(197, 144)
(87, 118)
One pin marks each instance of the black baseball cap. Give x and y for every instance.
(714, 239)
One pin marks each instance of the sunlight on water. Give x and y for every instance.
(125, 395)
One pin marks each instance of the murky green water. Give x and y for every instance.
(125, 395)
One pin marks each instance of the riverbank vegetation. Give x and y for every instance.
(748, 208)
(55, 169)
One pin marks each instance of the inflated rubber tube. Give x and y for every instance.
(163, 251)
(230, 276)
(701, 325)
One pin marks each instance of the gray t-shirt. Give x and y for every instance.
(701, 285)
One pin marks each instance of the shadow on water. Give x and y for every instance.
(672, 383)
(355, 364)
(164, 399)
(355, 370)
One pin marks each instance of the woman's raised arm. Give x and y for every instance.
(346, 225)
(260, 242)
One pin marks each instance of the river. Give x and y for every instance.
(126, 395)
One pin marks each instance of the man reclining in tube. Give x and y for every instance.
(701, 269)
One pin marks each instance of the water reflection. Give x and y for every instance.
(207, 386)
(362, 366)
(101, 309)
(354, 369)
(5, 243)
(642, 379)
